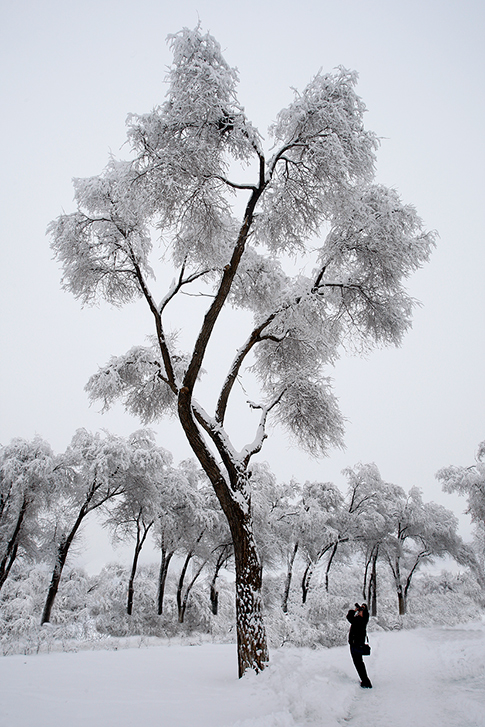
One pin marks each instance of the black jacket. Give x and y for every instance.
(358, 625)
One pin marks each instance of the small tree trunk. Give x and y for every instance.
(373, 585)
(185, 599)
(180, 586)
(401, 600)
(164, 564)
(332, 555)
(224, 556)
(214, 599)
(305, 582)
(6, 567)
(289, 574)
(162, 578)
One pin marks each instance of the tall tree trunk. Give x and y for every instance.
(289, 574)
(162, 577)
(251, 635)
(234, 498)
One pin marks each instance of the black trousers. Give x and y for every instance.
(360, 666)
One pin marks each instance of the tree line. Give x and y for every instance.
(134, 485)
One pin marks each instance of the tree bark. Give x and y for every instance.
(251, 635)
(401, 600)
(214, 599)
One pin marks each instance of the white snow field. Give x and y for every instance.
(423, 678)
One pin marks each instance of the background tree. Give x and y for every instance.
(174, 508)
(318, 179)
(136, 512)
(199, 521)
(421, 532)
(322, 526)
(96, 470)
(28, 477)
(372, 506)
(470, 481)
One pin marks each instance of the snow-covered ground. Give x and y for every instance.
(423, 678)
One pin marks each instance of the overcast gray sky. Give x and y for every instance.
(72, 71)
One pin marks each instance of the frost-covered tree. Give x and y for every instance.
(422, 531)
(323, 526)
(372, 507)
(97, 470)
(28, 478)
(470, 481)
(311, 199)
(136, 512)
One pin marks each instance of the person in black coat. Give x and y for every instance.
(358, 618)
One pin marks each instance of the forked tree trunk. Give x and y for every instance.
(224, 556)
(180, 585)
(183, 601)
(140, 540)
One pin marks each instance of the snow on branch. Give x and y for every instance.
(137, 379)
